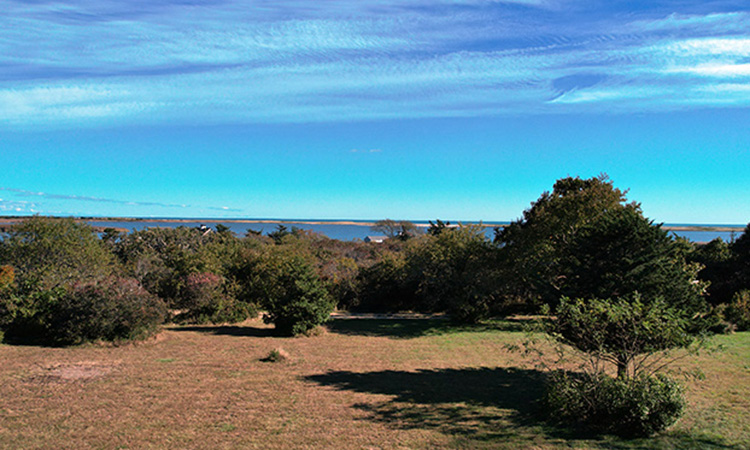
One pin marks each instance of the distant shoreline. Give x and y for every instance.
(10, 220)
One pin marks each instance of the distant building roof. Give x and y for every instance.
(376, 239)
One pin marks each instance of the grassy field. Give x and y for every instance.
(361, 384)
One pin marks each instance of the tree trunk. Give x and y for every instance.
(622, 367)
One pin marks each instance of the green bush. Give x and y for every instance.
(111, 310)
(627, 407)
(26, 316)
(47, 253)
(738, 312)
(289, 290)
(204, 299)
(452, 272)
(384, 286)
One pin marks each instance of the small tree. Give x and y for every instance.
(454, 271)
(401, 229)
(627, 332)
(632, 335)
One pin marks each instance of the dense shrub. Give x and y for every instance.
(454, 272)
(383, 287)
(738, 312)
(204, 298)
(26, 315)
(628, 407)
(162, 258)
(111, 310)
(47, 253)
(289, 290)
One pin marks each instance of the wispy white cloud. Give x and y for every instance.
(28, 206)
(717, 70)
(83, 198)
(18, 207)
(102, 61)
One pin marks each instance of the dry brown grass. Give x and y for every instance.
(361, 385)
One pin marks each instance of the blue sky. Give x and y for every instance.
(364, 109)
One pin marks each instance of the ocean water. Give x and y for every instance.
(349, 232)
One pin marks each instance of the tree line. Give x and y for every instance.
(582, 240)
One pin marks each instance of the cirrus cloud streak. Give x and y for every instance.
(91, 63)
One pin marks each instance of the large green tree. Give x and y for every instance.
(622, 253)
(536, 244)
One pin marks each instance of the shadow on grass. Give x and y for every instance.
(484, 407)
(413, 328)
(32, 341)
(485, 403)
(228, 330)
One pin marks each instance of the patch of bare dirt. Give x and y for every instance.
(71, 372)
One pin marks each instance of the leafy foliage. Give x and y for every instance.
(738, 311)
(536, 245)
(206, 298)
(633, 335)
(631, 407)
(623, 331)
(112, 310)
(454, 272)
(163, 258)
(47, 253)
(622, 253)
(383, 286)
(718, 263)
(289, 290)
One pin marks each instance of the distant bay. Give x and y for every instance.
(348, 230)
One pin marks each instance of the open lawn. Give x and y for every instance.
(362, 384)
